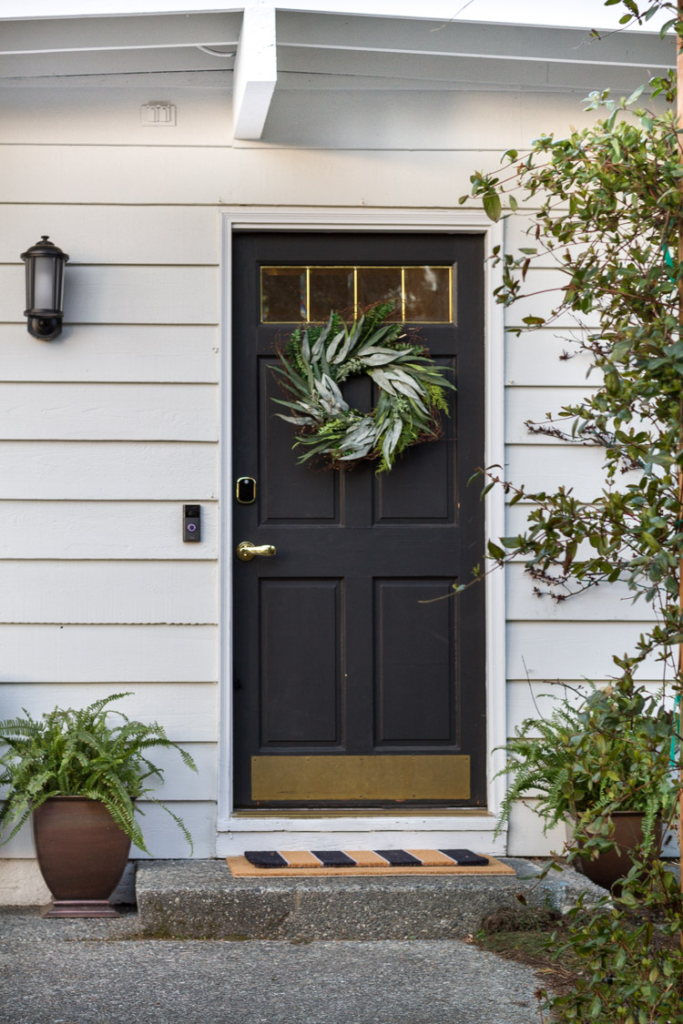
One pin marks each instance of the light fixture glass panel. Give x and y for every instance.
(331, 288)
(283, 295)
(43, 295)
(428, 294)
(380, 284)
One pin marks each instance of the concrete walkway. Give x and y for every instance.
(102, 972)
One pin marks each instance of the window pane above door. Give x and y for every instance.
(421, 294)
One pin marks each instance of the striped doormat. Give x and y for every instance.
(299, 863)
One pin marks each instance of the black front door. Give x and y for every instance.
(359, 679)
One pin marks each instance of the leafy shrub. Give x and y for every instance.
(78, 753)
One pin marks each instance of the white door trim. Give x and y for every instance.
(233, 829)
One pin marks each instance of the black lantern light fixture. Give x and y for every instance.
(44, 289)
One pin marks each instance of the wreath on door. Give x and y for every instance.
(317, 359)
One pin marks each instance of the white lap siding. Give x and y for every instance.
(105, 433)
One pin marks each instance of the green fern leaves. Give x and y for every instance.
(78, 753)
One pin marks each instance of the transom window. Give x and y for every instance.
(301, 294)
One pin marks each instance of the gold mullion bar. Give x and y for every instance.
(355, 291)
(451, 308)
(308, 293)
(403, 293)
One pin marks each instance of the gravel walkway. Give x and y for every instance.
(79, 972)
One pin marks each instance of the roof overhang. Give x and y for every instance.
(486, 44)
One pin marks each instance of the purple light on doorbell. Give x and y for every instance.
(191, 527)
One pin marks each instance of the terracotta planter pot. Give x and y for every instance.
(608, 869)
(82, 854)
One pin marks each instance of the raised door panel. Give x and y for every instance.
(300, 661)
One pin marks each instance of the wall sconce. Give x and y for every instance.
(44, 289)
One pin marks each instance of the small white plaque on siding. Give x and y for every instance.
(158, 115)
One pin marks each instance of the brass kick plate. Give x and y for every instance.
(376, 777)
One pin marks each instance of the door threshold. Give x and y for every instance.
(360, 812)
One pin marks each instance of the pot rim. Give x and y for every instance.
(89, 799)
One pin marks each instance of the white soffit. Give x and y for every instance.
(300, 31)
(458, 44)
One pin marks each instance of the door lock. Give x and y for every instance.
(245, 490)
(246, 550)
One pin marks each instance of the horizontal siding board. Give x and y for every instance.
(108, 592)
(420, 119)
(180, 782)
(189, 714)
(516, 518)
(102, 530)
(301, 115)
(573, 650)
(116, 654)
(516, 225)
(110, 234)
(208, 175)
(539, 359)
(537, 700)
(104, 470)
(542, 292)
(123, 295)
(110, 115)
(545, 468)
(520, 231)
(109, 412)
(525, 835)
(116, 353)
(162, 835)
(164, 839)
(610, 602)
(534, 404)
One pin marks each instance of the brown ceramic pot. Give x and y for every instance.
(82, 854)
(609, 868)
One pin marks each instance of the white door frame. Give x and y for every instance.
(237, 832)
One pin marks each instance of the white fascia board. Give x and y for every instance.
(255, 70)
(584, 14)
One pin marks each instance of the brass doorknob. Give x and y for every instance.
(246, 550)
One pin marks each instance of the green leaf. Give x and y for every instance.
(495, 551)
(492, 206)
(635, 96)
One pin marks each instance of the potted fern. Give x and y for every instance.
(80, 776)
(602, 765)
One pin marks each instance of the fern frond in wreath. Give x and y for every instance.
(317, 359)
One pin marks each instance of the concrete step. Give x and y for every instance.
(201, 900)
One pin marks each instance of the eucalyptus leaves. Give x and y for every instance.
(318, 360)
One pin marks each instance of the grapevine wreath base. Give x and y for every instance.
(317, 359)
